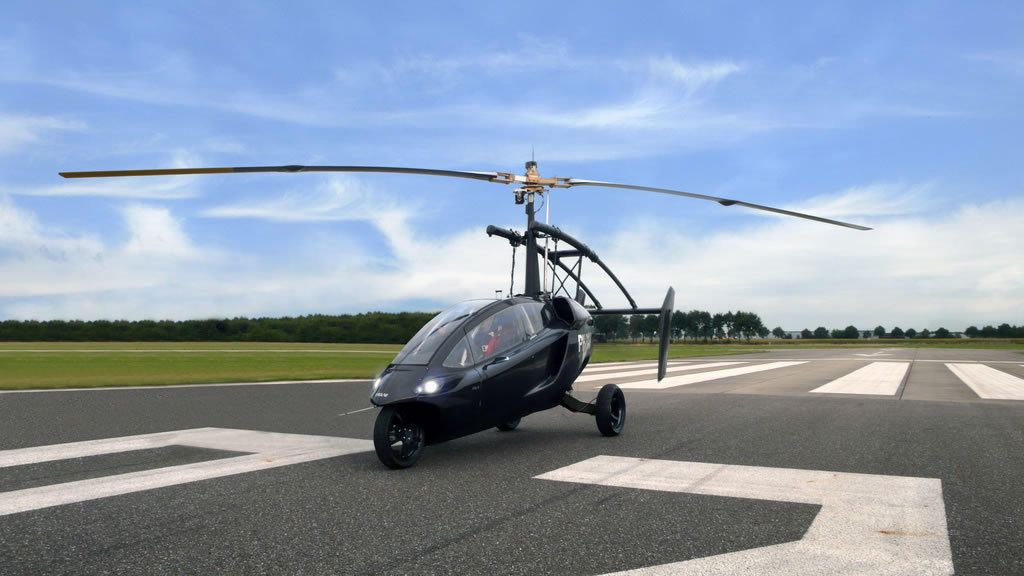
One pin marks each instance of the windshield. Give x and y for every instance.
(421, 348)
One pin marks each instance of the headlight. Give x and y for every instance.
(376, 384)
(428, 387)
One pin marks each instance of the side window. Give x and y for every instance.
(498, 334)
(460, 356)
(534, 318)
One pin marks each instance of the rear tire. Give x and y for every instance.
(508, 425)
(397, 438)
(610, 410)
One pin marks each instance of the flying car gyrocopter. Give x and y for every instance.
(488, 363)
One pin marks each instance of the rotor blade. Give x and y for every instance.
(722, 201)
(487, 176)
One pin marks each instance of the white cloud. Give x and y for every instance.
(154, 232)
(335, 198)
(918, 269)
(929, 270)
(16, 131)
(879, 199)
(23, 237)
(151, 188)
(693, 76)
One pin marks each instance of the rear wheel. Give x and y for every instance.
(398, 438)
(509, 425)
(610, 410)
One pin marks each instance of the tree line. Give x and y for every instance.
(851, 332)
(399, 327)
(370, 328)
(694, 325)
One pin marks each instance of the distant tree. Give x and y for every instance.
(651, 327)
(1004, 331)
(610, 325)
(806, 334)
(835, 334)
(821, 332)
(778, 332)
(636, 326)
(972, 332)
(851, 333)
(897, 332)
(880, 331)
(681, 323)
(925, 333)
(701, 322)
(747, 325)
(718, 326)
(942, 333)
(989, 332)
(910, 332)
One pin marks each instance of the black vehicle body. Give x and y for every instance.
(495, 362)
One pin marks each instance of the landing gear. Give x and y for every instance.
(610, 411)
(397, 438)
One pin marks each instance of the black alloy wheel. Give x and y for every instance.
(397, 438)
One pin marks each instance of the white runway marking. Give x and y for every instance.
(875, 378)
(673, 381)
(267, 450)
(868, 524)
(612, 366)
(989, 382)
(588, 377)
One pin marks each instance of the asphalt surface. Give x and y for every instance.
(475, 506)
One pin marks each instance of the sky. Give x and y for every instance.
(905, 117)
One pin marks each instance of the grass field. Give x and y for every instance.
(83, 365)
(42, 365)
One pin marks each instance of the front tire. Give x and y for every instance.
(610, 410)
(397, 438)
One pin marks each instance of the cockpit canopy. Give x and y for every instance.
(421, 348)
(484, 333)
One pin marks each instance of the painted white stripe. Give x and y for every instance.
(868, 524)
(268, 450)
(609, 367)
(587, 377)
(706, 376)
(988, 382)
(875, 378)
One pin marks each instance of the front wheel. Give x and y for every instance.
(610, 410)
(397, 438)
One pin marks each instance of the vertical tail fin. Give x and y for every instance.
(665, 327)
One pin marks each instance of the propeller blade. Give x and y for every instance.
(722, 201)
(498, 177)
(486, 176)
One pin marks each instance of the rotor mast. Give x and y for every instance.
(534, 185)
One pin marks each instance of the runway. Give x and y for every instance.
(819, 461)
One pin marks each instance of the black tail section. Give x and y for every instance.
(665, 327)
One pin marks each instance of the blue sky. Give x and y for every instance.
(901, 116)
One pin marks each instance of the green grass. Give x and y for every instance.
(41, 365)
(85, 365)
